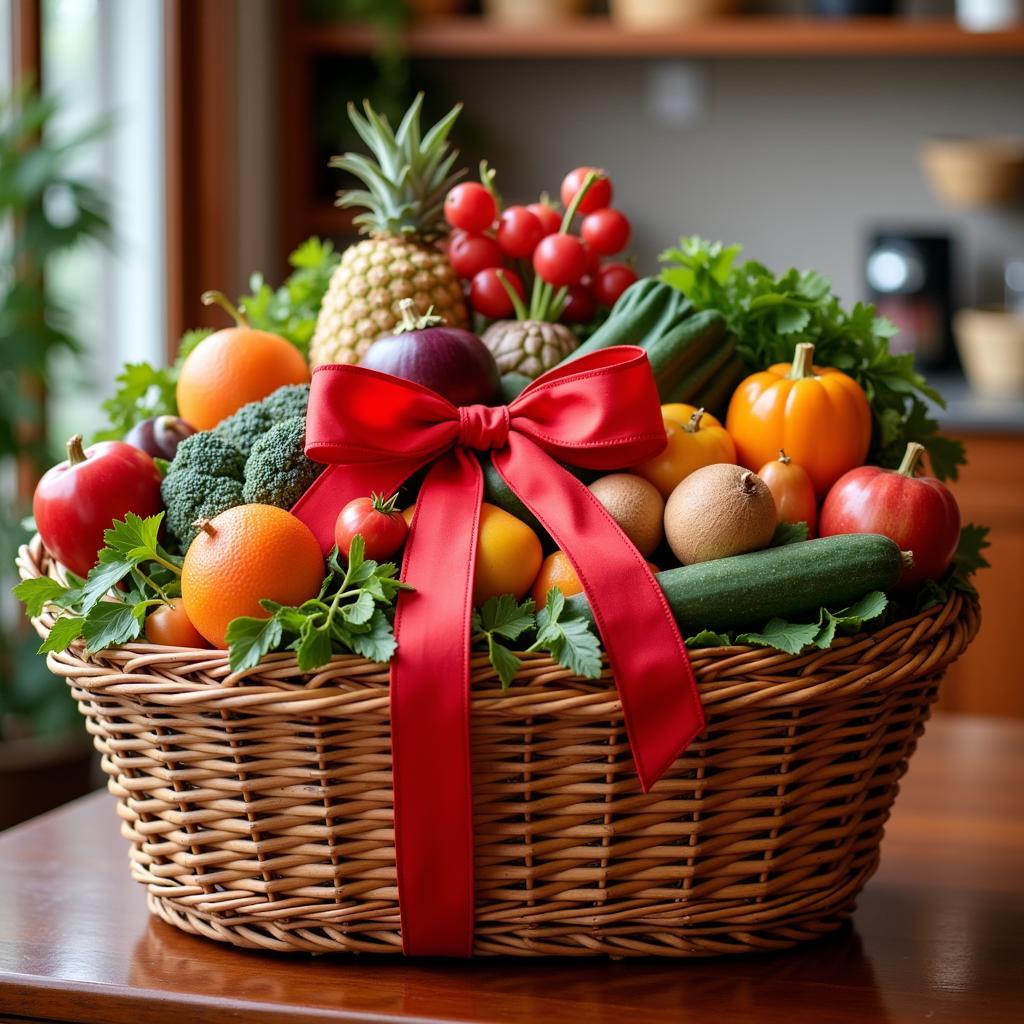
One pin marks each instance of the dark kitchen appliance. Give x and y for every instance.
(909, 279)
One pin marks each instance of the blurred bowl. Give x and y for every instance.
(647, 15)
(532, 13)
(991, 346)
(975, 172)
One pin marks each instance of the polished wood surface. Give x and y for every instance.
(727, 37)
(989, 678)
(937, 935)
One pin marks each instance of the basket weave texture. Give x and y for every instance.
(259, 806)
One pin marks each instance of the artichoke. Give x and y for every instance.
(529, 347)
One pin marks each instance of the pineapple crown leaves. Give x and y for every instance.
(408, 176)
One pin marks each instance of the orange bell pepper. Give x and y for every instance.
(818, 414)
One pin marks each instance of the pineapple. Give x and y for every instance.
(403, 215)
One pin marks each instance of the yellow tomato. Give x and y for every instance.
(556, 571)
(508, 555)
(695, 439)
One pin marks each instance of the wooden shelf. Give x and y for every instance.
(469, 37)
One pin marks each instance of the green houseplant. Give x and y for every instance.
(46, 209)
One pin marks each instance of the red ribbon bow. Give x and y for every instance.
(598, 412)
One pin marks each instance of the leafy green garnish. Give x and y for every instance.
(967, 560)
(104, 612)
(565, 635)
(771, 314)
(788, 533)
(349, 614)
(794, 637)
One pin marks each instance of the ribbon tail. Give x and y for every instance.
(430, 714)
(660, 701)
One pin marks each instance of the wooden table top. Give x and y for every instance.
(937, 936)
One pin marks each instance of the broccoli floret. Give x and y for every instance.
(277, 471)
(252, 421)
(204, 479)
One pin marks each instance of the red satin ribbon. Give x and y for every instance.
(374, 430)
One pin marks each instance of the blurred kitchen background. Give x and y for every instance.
(879, 142)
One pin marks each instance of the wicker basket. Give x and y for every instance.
(259, 809)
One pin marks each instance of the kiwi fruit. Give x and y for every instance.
(636, 505)
(718, 511)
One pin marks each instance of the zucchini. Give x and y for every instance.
(647, 309)
(748, 590)
(678, 352)
(497, 492)
(691, 384)
(714, 395)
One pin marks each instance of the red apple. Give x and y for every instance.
(919, 514)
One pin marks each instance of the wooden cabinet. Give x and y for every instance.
(989, 678)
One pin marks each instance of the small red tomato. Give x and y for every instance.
(606, 231)
(488, 296)
(580, 305)
(170, 626)
(598, 196)
(560, 260)
(377, 521)
(77, 500)
(519, 231)
(470, 206)
(792, 490)
(469, 254)
(918, 513)
(612, 280)
(550, 219)
(593, 262)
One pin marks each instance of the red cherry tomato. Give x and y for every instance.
(598, 196)
(550, 219)
(519, 231)
(580, 306)
(170, 626)
(377, 521)
(918, 513)
(560, 260)
(470, 206)
(593, 262)
(606, 231)
(487, 295)
(469, 253)
(612, 280)
(77, 500)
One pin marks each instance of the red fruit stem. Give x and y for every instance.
(517, 303)
(541, 302)
(76, 453)
(220, 299)
(803, 362)
(694, 425)
(911, 459)
(487, 176)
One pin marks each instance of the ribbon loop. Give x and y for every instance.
(374, 430)
(483, 427)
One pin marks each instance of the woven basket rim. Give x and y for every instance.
(739, 675)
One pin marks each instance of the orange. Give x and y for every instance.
(247, 553)
(508, 555)
(170, 626)
(556, 571)
(232, 367)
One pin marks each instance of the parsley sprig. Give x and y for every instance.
(351, 613)
(133, 574)
(563, 633)
(770, 314)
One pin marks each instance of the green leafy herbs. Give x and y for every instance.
(770, 314)
(564, 634)
(133, 574)
(788, 533)
(967, 560)
(794, 637)
(290, 310)
(351, 613)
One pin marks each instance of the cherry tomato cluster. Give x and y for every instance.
(493, 248)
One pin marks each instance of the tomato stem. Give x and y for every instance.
(386, 506)
(694, 424)
(76, 453)
(803, 362)
(487, 176)
(911, 459)
(517, 303)
(783, 457)
(214, 298)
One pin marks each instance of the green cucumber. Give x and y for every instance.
(688, 386)
(512, 385)
(714, 395)
(795, 579)
(647, 309)
(497, 492)
(680, 352)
